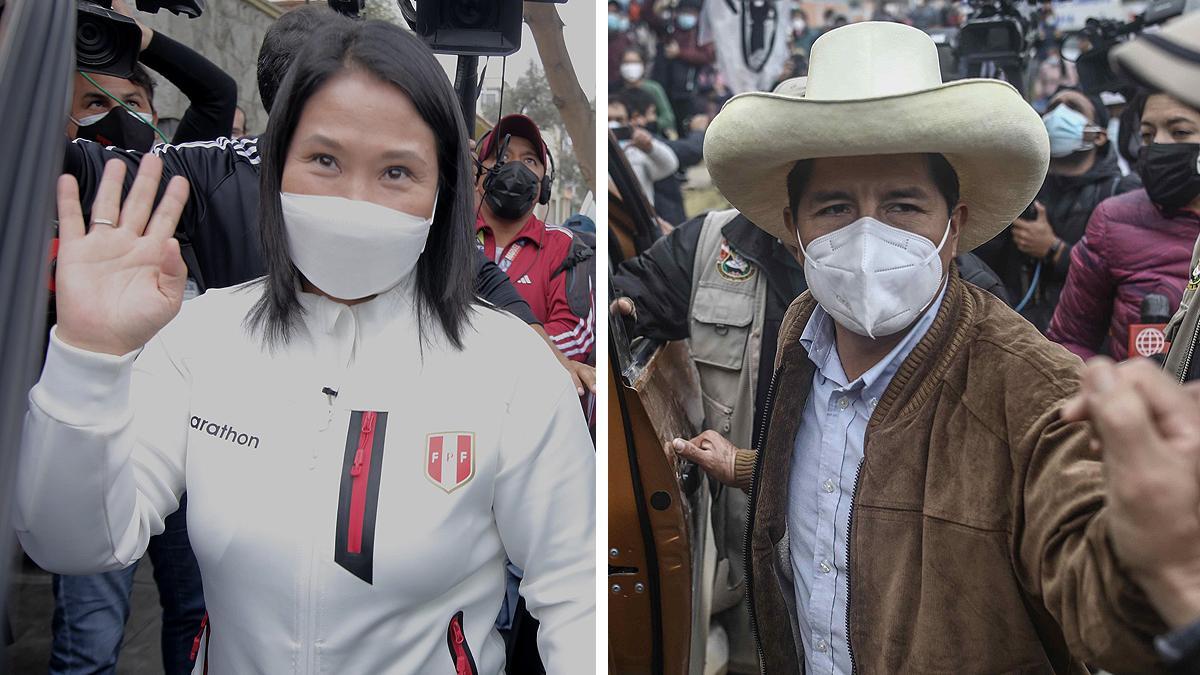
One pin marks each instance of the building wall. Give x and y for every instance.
(228, 34)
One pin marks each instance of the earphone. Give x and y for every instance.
(547, 181)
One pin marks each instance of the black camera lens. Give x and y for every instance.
(473, 13)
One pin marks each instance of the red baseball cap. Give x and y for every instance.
(516, 125)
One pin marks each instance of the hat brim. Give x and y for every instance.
(1156, 69)
(995, 141)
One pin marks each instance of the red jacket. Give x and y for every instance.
(532, 261)
(1131, 248)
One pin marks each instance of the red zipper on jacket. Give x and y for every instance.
(205, 632)
(360, 474)
(464, 663)
(199, 635)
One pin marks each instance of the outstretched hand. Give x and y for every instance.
(120, 280)
(1147, 428)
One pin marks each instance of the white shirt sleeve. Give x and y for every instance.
(102, 456)
(545, 509)
(663, 161)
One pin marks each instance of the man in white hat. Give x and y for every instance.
(917, 505)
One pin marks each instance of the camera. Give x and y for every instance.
(996, 42)
(108, 43)
(1099, 36)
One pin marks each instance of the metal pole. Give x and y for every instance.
(466, 82)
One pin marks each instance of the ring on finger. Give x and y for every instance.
(103, 221)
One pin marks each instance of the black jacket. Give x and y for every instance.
(218, 230)
(1069, 202)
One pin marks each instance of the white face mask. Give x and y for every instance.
(874, 279)
(352, 249)
(632, 72)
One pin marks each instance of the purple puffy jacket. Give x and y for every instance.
(1131, 248)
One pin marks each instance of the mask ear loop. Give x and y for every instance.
(125, 106)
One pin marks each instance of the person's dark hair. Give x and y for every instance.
(633, 49)
(141, 79)
(637, 100)
(445, 271)
(283, 40)
(944, 177)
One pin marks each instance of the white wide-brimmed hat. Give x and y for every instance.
(876, 88)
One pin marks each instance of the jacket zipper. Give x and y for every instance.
(199, 636)
(360, 476)
(768, 405)
(1187, 359)
(460, 651)
(850, 538)
(205, 633)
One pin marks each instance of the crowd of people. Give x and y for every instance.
(366, 251)
(1089, 239)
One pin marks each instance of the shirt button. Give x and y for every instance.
(822, 646)
(843, 403)
(874, 402)
(826, 568)
(827, 485)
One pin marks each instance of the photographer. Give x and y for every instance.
(651, 159)
(98, 116)
(1034, 255)
(1137, 243)
(688, 150)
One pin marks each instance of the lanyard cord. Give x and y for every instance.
(1033, 284)
(126, 106)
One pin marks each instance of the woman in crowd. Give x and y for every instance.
(1137, 243)
(355, 474)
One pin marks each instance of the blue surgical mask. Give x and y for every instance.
(614, 23)
(687, 21)
(1066, 128)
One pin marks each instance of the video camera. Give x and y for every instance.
(997, 41)
(1099, 36)
(108, 43)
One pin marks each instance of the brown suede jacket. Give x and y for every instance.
(978, 533)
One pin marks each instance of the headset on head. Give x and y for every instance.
(547, 181)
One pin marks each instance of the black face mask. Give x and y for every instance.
(511, 189)
(121, 129)
(1170, 173)
(652, 127)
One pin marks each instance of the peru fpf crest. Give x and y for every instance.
(450, 459)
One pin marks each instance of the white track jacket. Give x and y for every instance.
(351, 497)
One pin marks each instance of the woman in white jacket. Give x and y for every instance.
(362, 443)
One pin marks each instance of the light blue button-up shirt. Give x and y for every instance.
(827, 455)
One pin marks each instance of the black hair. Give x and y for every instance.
(446, 270)
(637, 100)
(142, 79)
(283, 40)
(943, 174)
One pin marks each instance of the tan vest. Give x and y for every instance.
(728, 307)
